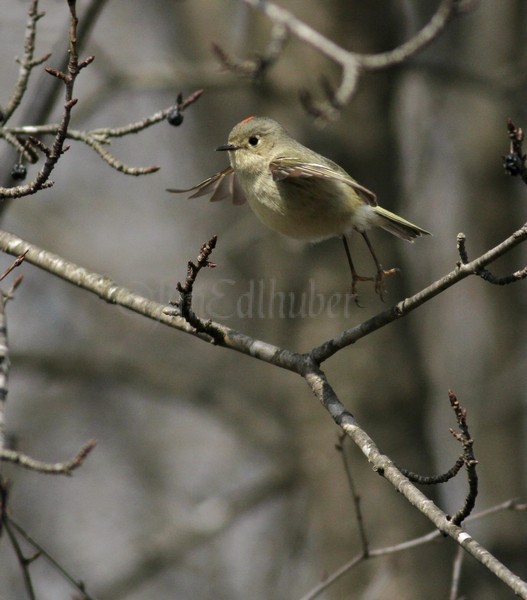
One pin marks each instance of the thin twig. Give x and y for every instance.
(97, 138)
(401, 309)
(468, 456)
(63, 468)
(352, 63)
(109, 291)
(305, 365)
(16, 263)
(514, 161)
(456, 573)
(485, 274)
(68, 77)
(22, 561)
(184, 304)
(323, 391)
(77, 583)
(257, 67)
(27, 62)
(403, 547)
(354, 494)
(434, 479)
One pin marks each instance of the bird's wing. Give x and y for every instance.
(282, 168)
(221, 185)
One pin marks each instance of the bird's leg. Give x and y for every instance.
(354, 275)
(381, 273)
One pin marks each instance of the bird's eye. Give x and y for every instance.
(253, 140)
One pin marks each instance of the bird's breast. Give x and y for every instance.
(303, 208)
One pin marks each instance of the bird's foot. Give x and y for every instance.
(355, 278)
(379, 280)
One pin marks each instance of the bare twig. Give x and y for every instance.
(28, 61)
(514, 161)
(321, 388)
(16, 263)
(352, 63)
(403, 547)
(469, 459)
(22, 561)
(105, 288)
(306, 365)
(354, 494)
(352, 335)
(64, 468)
(37, 107)
(41, 551)
(485, 274)
(434, 479)
(175, 113)
(466, 458)
(4, 348)
(256, 68)
(456, 573)
(68, 77)
(184, 304)
(97, 138)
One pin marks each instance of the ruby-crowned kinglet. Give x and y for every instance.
(298, 192)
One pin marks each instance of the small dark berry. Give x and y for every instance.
(19, 172)
(513, 164)
(174, 117)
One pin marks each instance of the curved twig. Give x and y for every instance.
(354, 64)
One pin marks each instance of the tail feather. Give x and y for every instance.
(398, 226)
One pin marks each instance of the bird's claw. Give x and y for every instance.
(379, 280)
(354, 279)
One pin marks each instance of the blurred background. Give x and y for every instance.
(216, 476)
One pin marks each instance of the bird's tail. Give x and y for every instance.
(398, 226)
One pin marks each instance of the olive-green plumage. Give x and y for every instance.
(297, 192)
(300, 193)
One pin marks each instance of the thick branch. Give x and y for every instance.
(402, 308)
(108, 290)
(384, 466)
(305, 365)
(402, 547)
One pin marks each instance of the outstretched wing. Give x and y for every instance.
(282, 168)
(221, 185)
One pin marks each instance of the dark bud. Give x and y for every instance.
(175, 117)
(19, 172)
(513, 164)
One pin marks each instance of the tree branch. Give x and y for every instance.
(354, 64)
(306, 365)
(42, 552)
(384, 466)
(96, 139)
(402, 308)
(402, 547)
(27, 62)
(68, 77)
(63, 468)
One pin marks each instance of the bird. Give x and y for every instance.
(299, 193)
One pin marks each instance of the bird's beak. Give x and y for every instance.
(228, 147)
